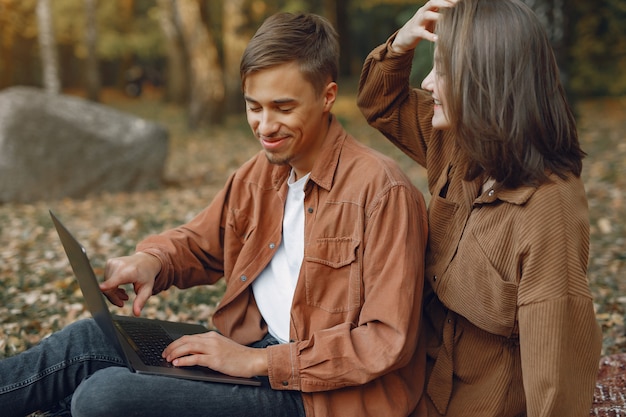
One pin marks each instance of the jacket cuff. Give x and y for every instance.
(161, 282)
(386, 52)
(283, 367)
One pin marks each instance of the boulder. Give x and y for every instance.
(55, 146)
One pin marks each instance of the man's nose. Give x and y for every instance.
(267, 123)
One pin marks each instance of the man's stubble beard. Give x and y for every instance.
(277, 159)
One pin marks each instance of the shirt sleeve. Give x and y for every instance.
(560, 343)
(560, 339)
(386, 99)
(191, 254)
(385, 334)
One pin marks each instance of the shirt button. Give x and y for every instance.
(272, 245)
(285, 383)
(491, 193)
(310, 210)
(244, 278)
(435, 278)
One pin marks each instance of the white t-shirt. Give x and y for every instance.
(273, 289)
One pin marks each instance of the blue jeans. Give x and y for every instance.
(78, 363)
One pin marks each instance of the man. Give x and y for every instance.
(320, 241)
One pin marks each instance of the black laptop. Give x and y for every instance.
(139, 340)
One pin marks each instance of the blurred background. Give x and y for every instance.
(85, 46)
(176, 63)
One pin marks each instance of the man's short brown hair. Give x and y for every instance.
(305, 38)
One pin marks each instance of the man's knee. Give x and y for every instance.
(103, 394)
(85, 329)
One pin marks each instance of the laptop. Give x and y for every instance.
(138, 340)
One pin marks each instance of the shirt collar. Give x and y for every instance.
(518, 196)
(325, 165)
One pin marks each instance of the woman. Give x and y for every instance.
(510, 324)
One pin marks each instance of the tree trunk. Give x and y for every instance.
(345, 41)
(236, 38)
(47, 48)
(177, 83)
(206, 76)
(555, 17)
(92, 73)
(7, 61)
(336, 11)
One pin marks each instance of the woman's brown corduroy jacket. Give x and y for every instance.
(511, 328)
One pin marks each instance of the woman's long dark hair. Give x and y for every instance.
(503, 92)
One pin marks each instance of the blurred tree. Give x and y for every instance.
(589, 39)
(598, 47)
(375, 20)
(337, 12)
(47, 48)
(131, 43)
(14, 21)
(556, 19)
(368, 4)
(177, 83)
(92, 71)
(236, 34)
(206, 77)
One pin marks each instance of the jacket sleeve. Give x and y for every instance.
(191, 254)
(560, 344)
(386, 99)
(384, 335)
(560, 339)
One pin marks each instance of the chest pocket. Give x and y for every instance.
(442, 227)
(332, 275)
(473, 288)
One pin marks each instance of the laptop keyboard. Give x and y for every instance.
(150, 340)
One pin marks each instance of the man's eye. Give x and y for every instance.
(254, 109)
(285, 109)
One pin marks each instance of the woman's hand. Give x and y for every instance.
(420, 26)
(219, 353)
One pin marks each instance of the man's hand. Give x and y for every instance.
(219, 353)
(420, 26)
(139, 269)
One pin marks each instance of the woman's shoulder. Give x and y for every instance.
(557, 191)
(558, 205)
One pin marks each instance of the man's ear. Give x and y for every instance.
(330, 95)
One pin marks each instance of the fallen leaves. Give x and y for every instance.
(602, 129)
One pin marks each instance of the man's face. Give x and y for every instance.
(287, 116)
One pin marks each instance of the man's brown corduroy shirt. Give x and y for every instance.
(355, 317)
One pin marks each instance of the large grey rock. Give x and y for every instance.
(54, 146)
